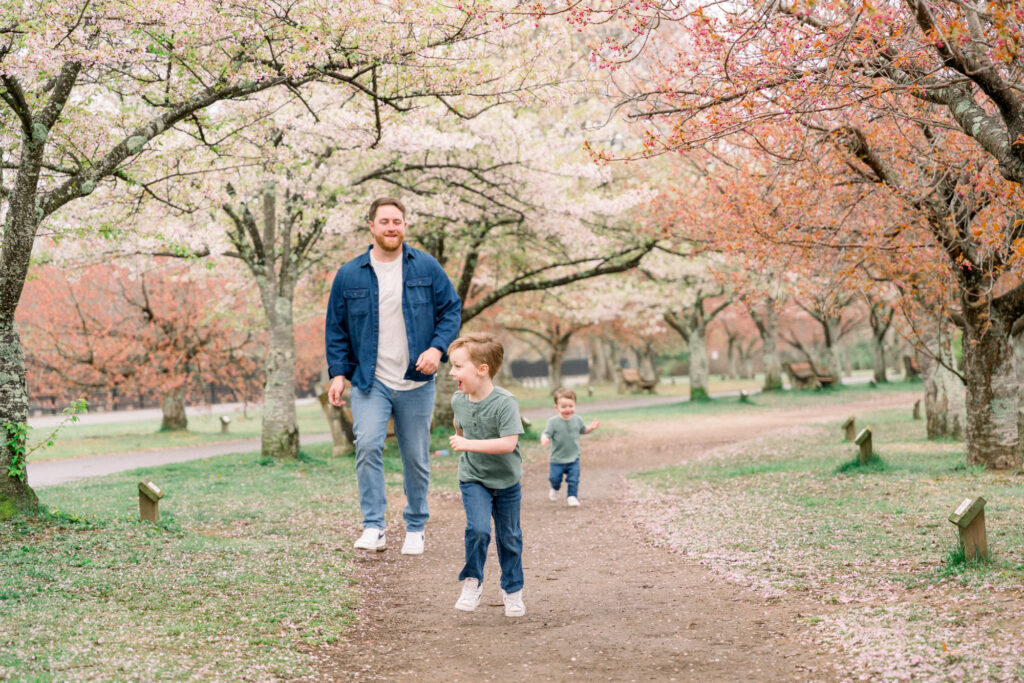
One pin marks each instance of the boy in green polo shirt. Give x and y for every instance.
(563, 433)
(487, 429)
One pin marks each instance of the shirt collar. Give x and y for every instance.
(364, 258)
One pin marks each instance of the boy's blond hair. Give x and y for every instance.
(562, 392)
(483, 349)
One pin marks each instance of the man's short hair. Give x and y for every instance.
(483, 348)
(386, 201)
(562, 392)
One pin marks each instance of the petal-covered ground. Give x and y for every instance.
(604, 599)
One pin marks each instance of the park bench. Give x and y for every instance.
(804, 376)
(632, 380)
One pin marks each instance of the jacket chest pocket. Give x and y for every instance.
(419, 290)
(357, 301)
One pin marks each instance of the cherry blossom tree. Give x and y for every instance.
(90, 89)
(920, 103)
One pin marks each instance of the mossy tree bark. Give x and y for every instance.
(993, 395)
(24, 211)
(277, 252)
(601, 369)
(766, 318)
(691, 324)
(15, 493)
(172, 407)
(880, 317)
(943, 387)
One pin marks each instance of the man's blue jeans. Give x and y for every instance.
(412, 411)
(571, 471)
(481, 505)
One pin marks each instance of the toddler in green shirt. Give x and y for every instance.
(563, 433)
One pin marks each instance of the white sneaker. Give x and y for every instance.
(573, 501)
(470, 598)
(372, 539)
(514, 606)
(413, 544)
(552, 494)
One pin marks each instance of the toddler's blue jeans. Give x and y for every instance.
(481, 505)
(571, 472)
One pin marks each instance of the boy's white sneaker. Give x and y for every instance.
(413, 544)
(470, 598)
(372, 539)
(514, 606)
(552, 494)
(573, 501)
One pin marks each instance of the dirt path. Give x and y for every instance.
(601, 603)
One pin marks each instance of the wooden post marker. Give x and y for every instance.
(149, 501)
(224, 422)
(864, 441)
(969, 518)
(849, 428)
(917, 409)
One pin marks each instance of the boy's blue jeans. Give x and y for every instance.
(571, 472)
(412, 411)
(481, 504)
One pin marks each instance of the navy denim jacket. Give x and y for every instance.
(432, 311)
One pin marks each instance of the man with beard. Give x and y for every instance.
(391, 316)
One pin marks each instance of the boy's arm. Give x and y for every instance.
(593, 425)
(498, 446)
(509, 424)
(545, 437)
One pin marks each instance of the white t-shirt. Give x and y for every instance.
(392, 343)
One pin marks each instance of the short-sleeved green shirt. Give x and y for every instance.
(565, 438)
(494, 417)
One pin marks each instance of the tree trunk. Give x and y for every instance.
(20, 226)
(646, 366)
(280, 427)
(172, 405)
(342, 437)
(698, 363)
(445, 387)
(732, 357)
(555, 357)
(943, 390)
(993, 402)
(600, 362)
(768, 325)
(15, 493)
(747, 367)
(829, 359)
(878, 348)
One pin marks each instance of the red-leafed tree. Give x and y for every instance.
(915, 102)
(163, 333)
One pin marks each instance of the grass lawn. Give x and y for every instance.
(76, 440)
(248, 570)
(792, 514)
(251, 567)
